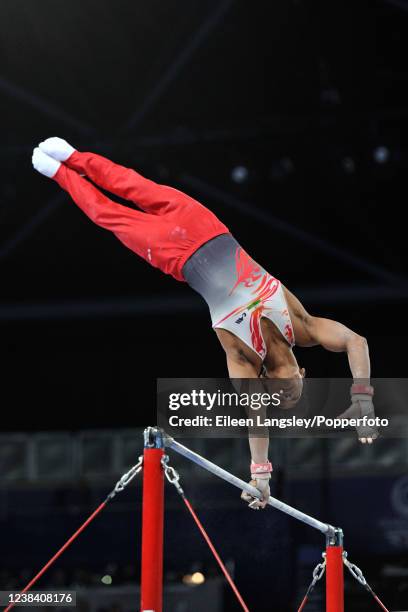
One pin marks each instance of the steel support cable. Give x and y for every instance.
(120, 486)
(354, 571)
(174, 478)
(358, 575)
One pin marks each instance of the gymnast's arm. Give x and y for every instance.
(240, 367)
(331, 335)
(338, 338)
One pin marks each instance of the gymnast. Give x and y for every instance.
(256, 318)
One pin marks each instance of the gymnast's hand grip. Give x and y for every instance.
(362, 408)
(263, 487)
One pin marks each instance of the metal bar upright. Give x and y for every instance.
(334, 572)
(152, 522)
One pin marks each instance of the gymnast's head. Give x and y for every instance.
(288, 382)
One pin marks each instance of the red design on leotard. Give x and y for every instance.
(248, 272)
(289, 334)
(256, 334)
(268, 287)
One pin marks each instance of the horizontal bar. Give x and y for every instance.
(241, 484)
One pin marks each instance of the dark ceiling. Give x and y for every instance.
(192, 89)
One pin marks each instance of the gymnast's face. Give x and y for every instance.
(289, 383)
(291, 392)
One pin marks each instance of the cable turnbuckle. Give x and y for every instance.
(355, 571)
(172, 475)
(319, 571)
(127, 478)
(317, 575)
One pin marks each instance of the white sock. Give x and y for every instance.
(58, 148)
(44, 164)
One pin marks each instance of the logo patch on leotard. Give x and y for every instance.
(241, 318)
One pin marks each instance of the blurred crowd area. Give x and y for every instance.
(116, 588)
(71, 579)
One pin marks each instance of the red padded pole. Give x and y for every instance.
(334, 579)
(152, 531)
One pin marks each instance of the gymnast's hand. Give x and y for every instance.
(362, 406)
(253, 502)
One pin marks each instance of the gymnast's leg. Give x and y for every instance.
(170, 229)
(130, 226)
(119, 180)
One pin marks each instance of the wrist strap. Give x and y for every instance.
(261, 468)
(362, 389)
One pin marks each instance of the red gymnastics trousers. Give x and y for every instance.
(167, 230)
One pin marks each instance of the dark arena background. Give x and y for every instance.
(289, 120)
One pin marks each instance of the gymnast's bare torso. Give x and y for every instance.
(257, 320)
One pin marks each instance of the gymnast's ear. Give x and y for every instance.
(302, 372)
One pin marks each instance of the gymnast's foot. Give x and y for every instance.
(58, 148)
(44, 164)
